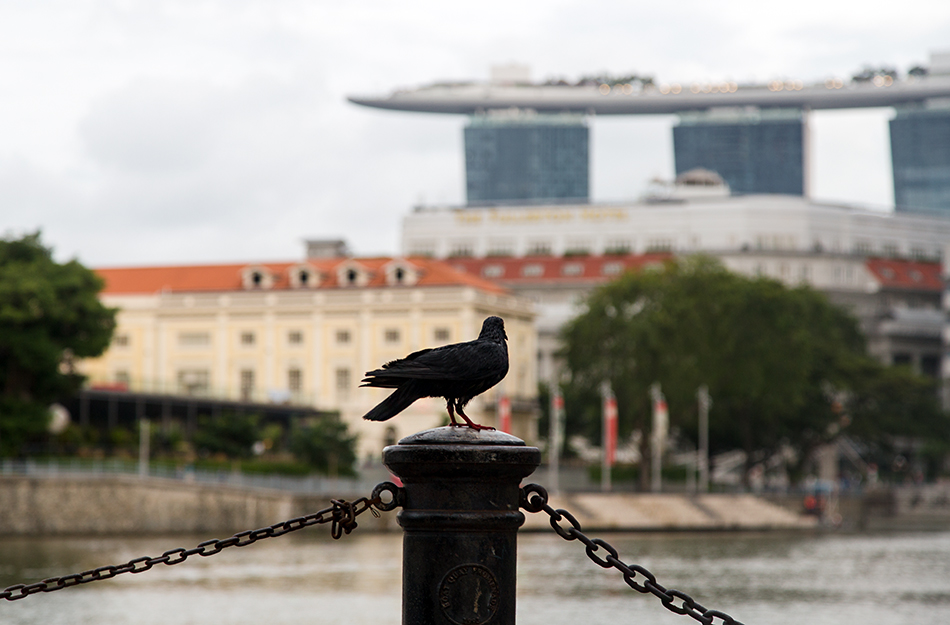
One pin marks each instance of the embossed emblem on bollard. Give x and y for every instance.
(469, 595)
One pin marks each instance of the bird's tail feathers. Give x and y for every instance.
(398, 401)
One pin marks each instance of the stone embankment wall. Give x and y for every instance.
(127, 504)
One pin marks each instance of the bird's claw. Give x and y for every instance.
(474, 426)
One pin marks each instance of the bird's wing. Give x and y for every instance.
(390, 376)
(461, 361)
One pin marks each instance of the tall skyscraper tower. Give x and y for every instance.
(920, 157)
(529, 142)
(758, 151)
(517, 156)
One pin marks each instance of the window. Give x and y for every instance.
(295, 337)
(572, 269)
(294, 380)
(342, 337)
(391, 335)
(493, 271)
(122, 378)
(442, 334)
(902, 359)
(121, 340)
(422, 248)
(256, 278)
(461, 249)
(930, 365)
(400, 274)
(343, 383)
(532, 271)
(193, 381)
(890, 249)
(864, 248)
(390, 438)
(247, 384)
(194, 339)
(612, 269)
(303, 277)
(352, 276)
(539, 248)
(247, 338)
(501, 247)
(577, 247)
(659, 245)
(617, 246)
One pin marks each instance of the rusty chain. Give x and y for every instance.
(341, 515)
(535, 499)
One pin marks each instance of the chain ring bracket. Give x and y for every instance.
(396, 493)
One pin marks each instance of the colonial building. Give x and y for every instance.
(305, 332)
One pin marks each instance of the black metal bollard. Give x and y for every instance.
(460, 519)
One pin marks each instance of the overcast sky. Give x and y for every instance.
(209, 131)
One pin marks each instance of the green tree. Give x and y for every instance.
(231, 434)
(50, 314)
(326, 445)
(893, 411)
(777, 360)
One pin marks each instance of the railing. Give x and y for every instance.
(203, 391)
(81, 468)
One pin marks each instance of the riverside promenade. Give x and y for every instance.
(127, 504)
(673, 512)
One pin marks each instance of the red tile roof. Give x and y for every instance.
(127, 280)
(535, 269)
(906, 274)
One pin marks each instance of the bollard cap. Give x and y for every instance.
(449, 435)
(463, 453)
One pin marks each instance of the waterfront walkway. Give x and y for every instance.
(666, 512)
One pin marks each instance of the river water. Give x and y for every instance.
(304, 578)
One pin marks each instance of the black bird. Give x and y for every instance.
(456, 372)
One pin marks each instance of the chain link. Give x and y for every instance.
(535, 499)
(341, 516)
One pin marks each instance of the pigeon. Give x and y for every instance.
(456, 372)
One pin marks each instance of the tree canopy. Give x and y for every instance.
(49, 314)
(783, 365)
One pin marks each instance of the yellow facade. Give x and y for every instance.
(312, 347)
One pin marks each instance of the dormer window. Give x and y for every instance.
(401, 273)
(256, 278)
(303, 277)
(352, 274)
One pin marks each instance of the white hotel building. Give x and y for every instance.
(887, 267)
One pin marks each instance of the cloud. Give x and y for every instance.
(184, 132)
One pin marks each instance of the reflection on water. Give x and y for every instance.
(758, 578)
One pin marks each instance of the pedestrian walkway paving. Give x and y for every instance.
(645, 512)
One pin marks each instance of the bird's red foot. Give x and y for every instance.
(477, 427)
(472, 424)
